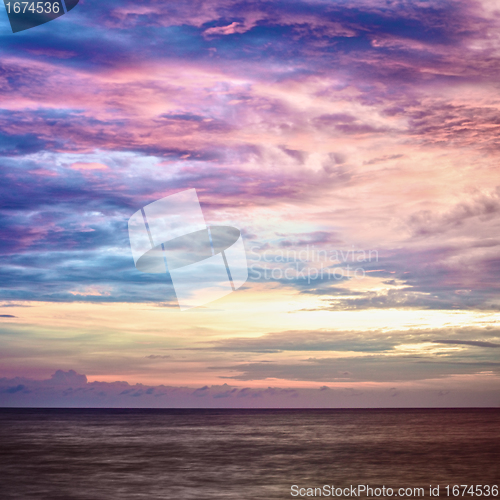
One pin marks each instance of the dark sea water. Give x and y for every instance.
(96, 454)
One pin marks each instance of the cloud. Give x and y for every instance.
(477, 343)
(88, 166)
(401, 368)
(376, 341)
(54, 392)
(70, 377)
(342, 356)
(7, 316)
(347, 124)
(72, 389)
(290, 341)
(13, 390)
(482, 206)
(18, 145)
(230, 29)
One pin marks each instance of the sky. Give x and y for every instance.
(355, 144)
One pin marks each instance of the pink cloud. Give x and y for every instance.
(88, 166)
(226, 30)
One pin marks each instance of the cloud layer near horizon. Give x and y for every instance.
(70, 389)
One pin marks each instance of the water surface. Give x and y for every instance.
(100, 454)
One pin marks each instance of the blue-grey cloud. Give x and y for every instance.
(361, 369)
(69, 390)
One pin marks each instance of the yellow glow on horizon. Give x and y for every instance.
(250, 312)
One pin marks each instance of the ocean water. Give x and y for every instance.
(96, 454)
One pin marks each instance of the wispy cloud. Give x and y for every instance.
(477, 343)
(73, 391)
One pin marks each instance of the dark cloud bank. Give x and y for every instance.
(72, 390)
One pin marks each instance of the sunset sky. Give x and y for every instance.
(361, 137)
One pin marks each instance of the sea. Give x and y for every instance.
(150, 454)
